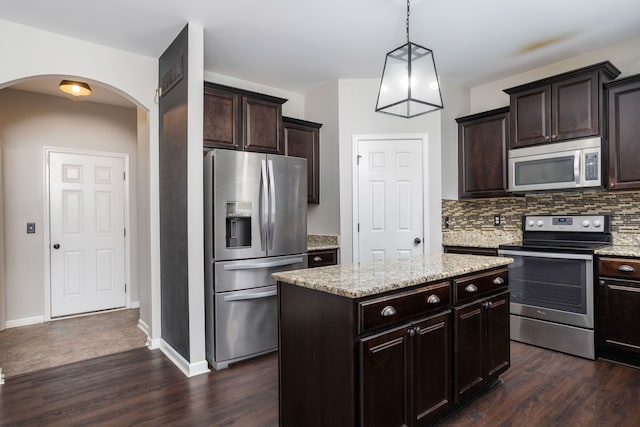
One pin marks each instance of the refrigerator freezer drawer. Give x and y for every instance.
(246, 323)
(253, 273)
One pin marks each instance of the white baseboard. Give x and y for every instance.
(189, 369)
(153, 343)
(24, 322)
(144, 327)
(134, 304)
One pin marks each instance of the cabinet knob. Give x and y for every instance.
(388, 311)
(471, 288)
(626, 268)
(433, 299)
(546, 138)
(498, 281)
(317, 258)
(602, 282)
(417, 328)
(411, 331)
(554, 136)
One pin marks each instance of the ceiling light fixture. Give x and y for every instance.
(74, 88)
(409, 85)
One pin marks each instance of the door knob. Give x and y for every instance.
(56, 246)
(417, 240)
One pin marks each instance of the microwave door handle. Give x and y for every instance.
(576, 167)
(272, 200)
(264, 214)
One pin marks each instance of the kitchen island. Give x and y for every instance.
(391, 342)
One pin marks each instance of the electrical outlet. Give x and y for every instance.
(446, 222)
(497, 220)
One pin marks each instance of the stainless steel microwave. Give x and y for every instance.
(556, 166)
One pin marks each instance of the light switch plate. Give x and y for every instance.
(31, 228)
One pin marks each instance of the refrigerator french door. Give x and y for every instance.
(255, 225)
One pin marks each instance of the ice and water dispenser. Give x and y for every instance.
(238, 219)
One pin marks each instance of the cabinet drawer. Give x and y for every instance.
(470, 287)
(620, 267)
(384, 311)
(322, 258)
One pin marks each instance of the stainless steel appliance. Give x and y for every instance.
(255, 225)
(551, 281)
(553, 166)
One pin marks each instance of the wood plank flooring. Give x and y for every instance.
(143, 388)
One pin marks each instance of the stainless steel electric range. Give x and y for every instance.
(552, 281)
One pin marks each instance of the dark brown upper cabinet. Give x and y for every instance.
(482, 154)
(561, 107)
(302, 139)
(623, 105)
(242, 120)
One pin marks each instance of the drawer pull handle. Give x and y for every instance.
(498, 281)
(388, 311)
(626, 268)
(433, 299)
(317, 258)
(471, 288)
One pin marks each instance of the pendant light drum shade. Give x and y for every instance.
(409, 85)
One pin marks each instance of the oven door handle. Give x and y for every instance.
(548, 254)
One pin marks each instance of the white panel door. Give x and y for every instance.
(390, 199)
(87, 233)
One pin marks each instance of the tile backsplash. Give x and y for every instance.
(478, 214)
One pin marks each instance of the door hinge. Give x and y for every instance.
(358, 159)
(124, 176)
(125, 288)
(125, 232)
(358, 227)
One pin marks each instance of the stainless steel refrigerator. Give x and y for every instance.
(255, 224)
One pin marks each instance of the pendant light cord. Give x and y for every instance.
(407, 21)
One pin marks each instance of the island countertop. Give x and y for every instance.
(371, 278)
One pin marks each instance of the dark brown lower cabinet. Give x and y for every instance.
(618, 306)
(481, 344)
(406, 373)
(619, 313)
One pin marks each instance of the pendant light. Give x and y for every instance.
(409, 85)
(74, 88)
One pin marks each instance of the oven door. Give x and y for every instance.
(550, 286)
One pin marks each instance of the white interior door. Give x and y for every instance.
(87, 226)
(390, 198)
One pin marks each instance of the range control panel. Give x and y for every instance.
(574, 223)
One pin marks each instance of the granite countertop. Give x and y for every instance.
(481, 239)
(620, 250)
(319, 242)
(361, 280)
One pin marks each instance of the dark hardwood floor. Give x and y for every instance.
(143, 388)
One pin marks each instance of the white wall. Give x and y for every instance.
(2, 298)
(322, 107)
(357, 116)
(27, 52)
(294, 107)
(456, 99)
(625, 56)
(28, 123)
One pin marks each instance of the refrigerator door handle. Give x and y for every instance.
(258, 265)
(264, 202)
(272, 200)
(252, 295)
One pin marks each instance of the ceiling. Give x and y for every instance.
(299, 45)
